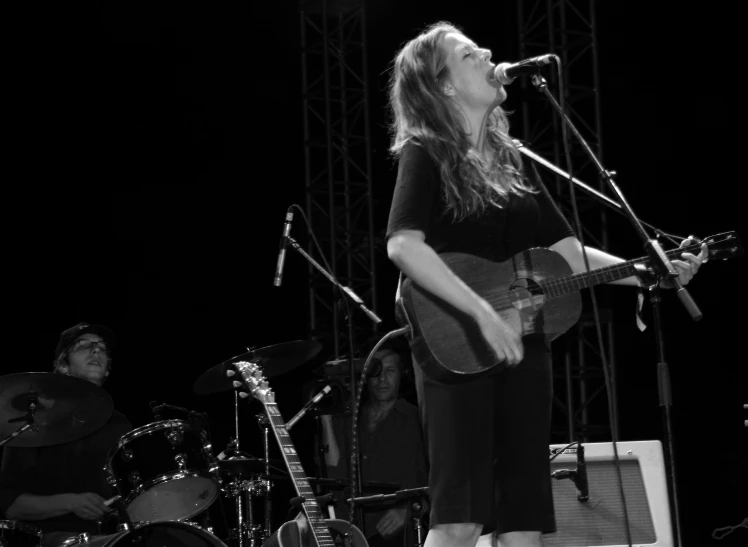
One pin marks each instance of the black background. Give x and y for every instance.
(164, 145)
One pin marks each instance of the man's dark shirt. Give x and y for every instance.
(74, 467)
(392, 453)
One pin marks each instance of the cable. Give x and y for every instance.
(612, 418)
(355, 472)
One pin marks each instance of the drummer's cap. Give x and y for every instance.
(70, 335)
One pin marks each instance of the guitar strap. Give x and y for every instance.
(401, 315)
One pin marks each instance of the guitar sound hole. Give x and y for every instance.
(526, 295)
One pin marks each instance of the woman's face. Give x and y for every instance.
(469, 73)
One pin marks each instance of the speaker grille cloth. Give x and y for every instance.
(600, 521)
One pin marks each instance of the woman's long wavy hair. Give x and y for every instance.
(422, 112)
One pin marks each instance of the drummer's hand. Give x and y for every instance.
(88, 506)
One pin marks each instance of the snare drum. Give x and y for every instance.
(161, 534)
(164, 471)
(17, 534)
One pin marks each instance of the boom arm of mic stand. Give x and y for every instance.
(551, 167)
(347, 290)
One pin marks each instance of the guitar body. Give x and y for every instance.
(296, 533)
(450, 347)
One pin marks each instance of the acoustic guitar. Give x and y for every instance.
(535, 291)
(316, 531)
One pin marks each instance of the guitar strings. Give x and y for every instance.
(314, 516)
(555, 287)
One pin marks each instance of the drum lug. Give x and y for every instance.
(175, 436)
(181, 460)
(134, 478)
(111, 480)
(127, 455)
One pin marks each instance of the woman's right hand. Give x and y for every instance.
(500, 335)
(88, 506)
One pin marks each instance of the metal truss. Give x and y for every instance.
(568, 29)
(580, 400)
(338, 164)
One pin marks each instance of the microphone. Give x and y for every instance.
(505, 73)
(282, 248)
(310, 404)
(580, 480)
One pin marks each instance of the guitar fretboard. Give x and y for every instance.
(572, 283)
(303, 488)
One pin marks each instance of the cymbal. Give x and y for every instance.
(273, 360)
(67, 408)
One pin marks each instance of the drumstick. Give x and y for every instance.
(112, 500)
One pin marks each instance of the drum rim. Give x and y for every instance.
(154, 426)
(21, 526)
(140, 524)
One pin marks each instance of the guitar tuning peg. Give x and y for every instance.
(243, 394)
(236, 384)
(230, 373)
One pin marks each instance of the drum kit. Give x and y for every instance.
(165, 474)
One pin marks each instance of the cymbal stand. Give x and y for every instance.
(235, 488)
(28, 418)
(264, 422)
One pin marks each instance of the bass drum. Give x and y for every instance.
(155, 534)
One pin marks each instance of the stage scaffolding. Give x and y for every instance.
(338, 170)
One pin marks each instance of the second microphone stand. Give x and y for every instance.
(356, 481)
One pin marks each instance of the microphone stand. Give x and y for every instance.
(356, 481)
(663, 269)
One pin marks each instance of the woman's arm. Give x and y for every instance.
(417, 260)
(571, 249)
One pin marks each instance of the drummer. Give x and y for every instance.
(61, 489)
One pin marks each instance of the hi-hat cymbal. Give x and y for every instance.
(67, 408)
(273, 360)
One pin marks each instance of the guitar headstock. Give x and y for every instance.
(252, 378)
(722, 246)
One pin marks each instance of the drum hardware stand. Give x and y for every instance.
(264, 422)
(28, 418)
(236, 487)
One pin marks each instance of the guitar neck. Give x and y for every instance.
(300, 482)
(564, 285)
